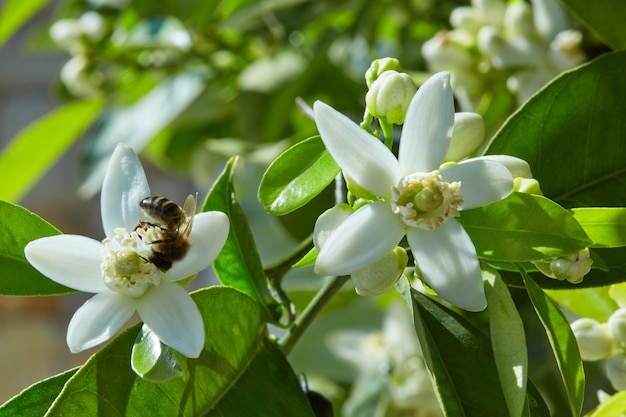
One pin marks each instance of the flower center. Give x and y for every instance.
(125, 267)
(425, 200)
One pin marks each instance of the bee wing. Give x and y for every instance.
(189, 208)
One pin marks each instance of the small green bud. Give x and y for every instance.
(382, 274)
(378, 66)
(389, 97)
(593, 338)
(527, 186)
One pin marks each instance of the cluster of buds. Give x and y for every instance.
(572, 267)
(606, 341)
(512, 44)
(79, 37)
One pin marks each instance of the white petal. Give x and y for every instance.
(328, 222)
(517, 166)
(482, 181)
(70, 260)
(428, 126)
(170, 312)
(125, 185)
(363, 158)
(362, 239)
(99, 319)
(207, 238)
(447, 258)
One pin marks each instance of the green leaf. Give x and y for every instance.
(135, 125)
(614, 407)
(586, 302)
(38, 146)
(297, 176)
(36, 399)
(508, 342)
(562, 341)
(457, 355)
(14, 14)
(153, 360)
(17, 277)
(238, 373)
(239, 264)
(605, 18)
(606, 226)
(572, 135)
(523, 227)
(308, 259)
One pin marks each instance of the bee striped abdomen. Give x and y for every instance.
(163, 209)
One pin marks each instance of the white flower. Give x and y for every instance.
(116, 269)
(417, 198)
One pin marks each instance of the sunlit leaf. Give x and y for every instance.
(508, 342)
(614, 407)
(15, 13)
(605, 18)
(562, 341)
(296, 176)
(523, 227)
(17, 277)
(606, 226)
(38, 146)
(586, 302)
(135, 125)
(457, 355)
(35, 400)
(238, 373)
(239, 264)
(572, 135)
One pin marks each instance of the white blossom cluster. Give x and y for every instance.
(517, 45)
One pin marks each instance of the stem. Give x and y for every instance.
(387, 129)
(291, 337)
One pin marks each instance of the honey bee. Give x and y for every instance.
(174, 223)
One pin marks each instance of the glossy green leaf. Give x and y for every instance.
(38, 146)
(508, 342)
(308, 259)
(35, 400)
(586, 302)
(153, 360)
(239, 264)
(237, 368)
(135, 125)
(572, 135)
(523, 227)
(605, 18)
(562, 341)
(14, 14)
(614, 407)
(606, 226)
(17, 277)
(458, 355)
(297, 176)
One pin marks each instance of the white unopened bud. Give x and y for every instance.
(78, 77)
(572, 267)
(465, 18)
(468, 134)
(616, 371)
(516, 166)
(67, 34)
(378, 277)
(378, 67)
(593, 338)
(93, 25)
(389, 96)
(518, 20)
(617, 326)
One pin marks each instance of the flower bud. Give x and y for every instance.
(617, 326)
(389, 96)
(382, 274)
(93, 25)
(67, 34)
(468, 134)
(572, 267)
(616, 371)
(379, 66)
(527, 186)
(518, 20)
(78, 77)
(593, 338)
(516, 166)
